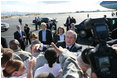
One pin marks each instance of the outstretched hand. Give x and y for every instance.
(35, 48)
(31, 63)
(30, 66)
(58, 50)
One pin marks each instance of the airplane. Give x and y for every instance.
(109, 4)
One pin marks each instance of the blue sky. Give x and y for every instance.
(50, 6)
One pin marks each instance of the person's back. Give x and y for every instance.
(45, 75)
(20, 21)
(52, 66)
(4, 42)
(40, 61)
(23, 54)
(16, 57)
(54, 70)
(15, 46)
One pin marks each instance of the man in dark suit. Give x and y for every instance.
(45, 35)
(49, 25)
(27, 32)
(4, 42)
(20, 21)
(68, 22)
(70, 43)
(20, 36)
(73, 20)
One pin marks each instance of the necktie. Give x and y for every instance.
(68, 48)
(20, 35)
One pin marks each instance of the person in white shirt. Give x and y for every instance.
(60, 35)
(45, 75)
(52, 66)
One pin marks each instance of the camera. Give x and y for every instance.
(102, 58)
(98, 28)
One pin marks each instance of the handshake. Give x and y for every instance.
(37, 47)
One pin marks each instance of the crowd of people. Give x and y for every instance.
(47, 55)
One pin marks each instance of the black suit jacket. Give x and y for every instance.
(17, 36)
(73, 20)
(75, 47)
(68, 21)
(49, 26)
(22, 42)
(48, 36)
(4, 42)
(27, 31)
(56, 38)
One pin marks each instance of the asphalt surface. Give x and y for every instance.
(61, 20)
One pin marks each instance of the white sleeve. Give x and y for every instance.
(41, 48)
(38, 71)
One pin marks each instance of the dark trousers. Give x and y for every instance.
(36, 26)
(27, 41)
(45, 42)
(22, 43)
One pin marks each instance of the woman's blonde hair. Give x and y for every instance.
(33, 35)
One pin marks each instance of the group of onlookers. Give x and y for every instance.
(42, 60)
(45, 35)
(69, 20)
(47, 55)
(51, 23)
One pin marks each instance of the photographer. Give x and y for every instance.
(102, 58)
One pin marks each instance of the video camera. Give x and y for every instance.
(102, 58)
(98, 28)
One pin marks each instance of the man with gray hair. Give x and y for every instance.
(70, 42)
(20, 36)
